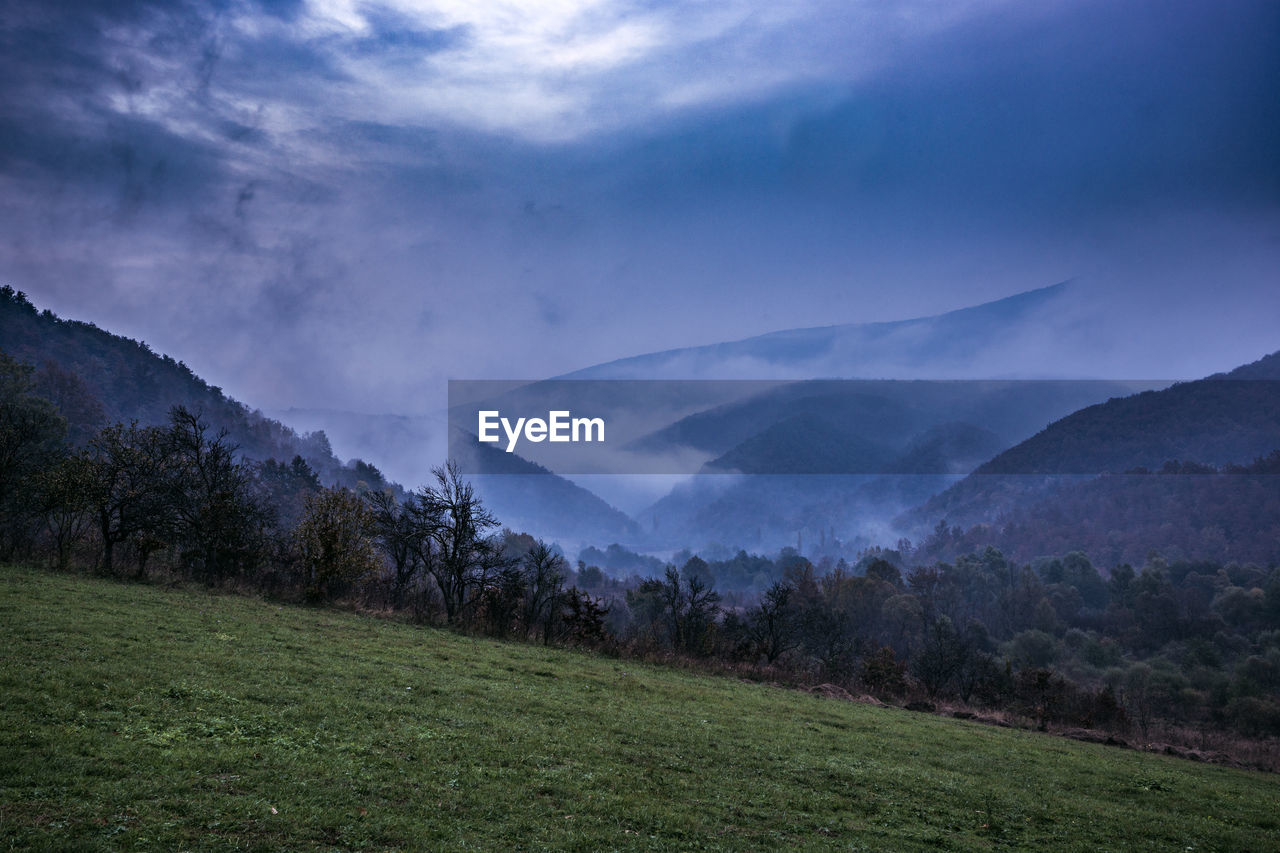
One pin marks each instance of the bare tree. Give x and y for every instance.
(218, 519)
(400, 533)
(690, 605)
(456, 550)
(772, 625)
(129, 466)
(544, 574)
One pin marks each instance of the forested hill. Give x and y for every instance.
(1267, 367)
(1230, 418)
(1190, 469)
(95, 377)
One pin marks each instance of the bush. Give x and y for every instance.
(884, 674)
(335, 542)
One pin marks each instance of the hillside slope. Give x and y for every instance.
(138, 717)
(110, 378)
(1215, 421)
(1182, 512)
(1225, 419)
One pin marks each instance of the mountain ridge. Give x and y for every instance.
(806, 345)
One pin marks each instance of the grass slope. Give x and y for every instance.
(137, 717)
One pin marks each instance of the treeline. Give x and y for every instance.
(179, 500)
(1186, 644)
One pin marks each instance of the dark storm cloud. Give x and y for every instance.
(323, 204)
(64, 64)
(1112, 106)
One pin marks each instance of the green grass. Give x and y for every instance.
(135, 717)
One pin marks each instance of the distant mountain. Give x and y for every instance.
(1219, 420)
(815, 444)
(870, 408)
(95, 377)
(1228, 418)
(780, 429)
(844, 458)
(889, 413)
(952, 345)
(806, 443)
(950, 448)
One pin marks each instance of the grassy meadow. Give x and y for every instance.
(135, 717)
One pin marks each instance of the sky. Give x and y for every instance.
(343, 204)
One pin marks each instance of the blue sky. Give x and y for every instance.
(344, 203)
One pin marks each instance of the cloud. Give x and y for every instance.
(558, 71)
(281, 194)
(546, 72)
